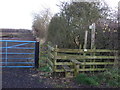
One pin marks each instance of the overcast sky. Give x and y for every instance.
(18, 13)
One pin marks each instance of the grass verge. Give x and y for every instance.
(109, 78)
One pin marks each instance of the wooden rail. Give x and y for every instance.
(79, 60)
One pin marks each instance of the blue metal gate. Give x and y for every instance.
(16, 53)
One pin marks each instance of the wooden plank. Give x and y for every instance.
(82, 50)
(75, 61)
(69, 50)
(67, 71)
(95, 69)
(50, 62)
(62, 70)
(66, 68)
(62, 56)
(97, 63)
(63, 63)
(50, 68)
(50, 55)
(50, 48)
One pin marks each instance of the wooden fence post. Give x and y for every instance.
(83, 66)
(116, 60)
(55, 54)
(94, 48)
(85, 42)
(76, 69)
(85, 48)
(93, 41)
(93, 36)
(48, 52)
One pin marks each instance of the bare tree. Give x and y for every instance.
(40, 24)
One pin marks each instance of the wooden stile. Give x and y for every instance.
(84, 62)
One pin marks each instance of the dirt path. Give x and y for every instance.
(22, 78)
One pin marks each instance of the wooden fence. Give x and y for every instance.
(73, 61)
(43, 55)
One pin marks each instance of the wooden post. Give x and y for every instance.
(55, 54)
(94, 59)
(48, 53)
(85, 47)
(50, 60)
(116, 60)
(93, 36)
(85, 42)
(93, 39)
(36, 54)
(76, 69)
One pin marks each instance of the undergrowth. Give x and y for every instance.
(44, 69)
(110, 78)
(43, 65)
(84, 79)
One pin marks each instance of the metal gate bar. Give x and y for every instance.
(6, 53)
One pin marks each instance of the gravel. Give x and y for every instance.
(22, 78)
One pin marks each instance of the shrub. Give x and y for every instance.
(111, 77)
(87, 80)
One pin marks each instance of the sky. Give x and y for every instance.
(18, 14)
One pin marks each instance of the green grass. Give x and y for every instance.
(42, 61)
(111, 78)
(44, 69)
(43, 65)
(84, 79)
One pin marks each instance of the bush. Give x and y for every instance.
(87, 80)
(111, 77)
